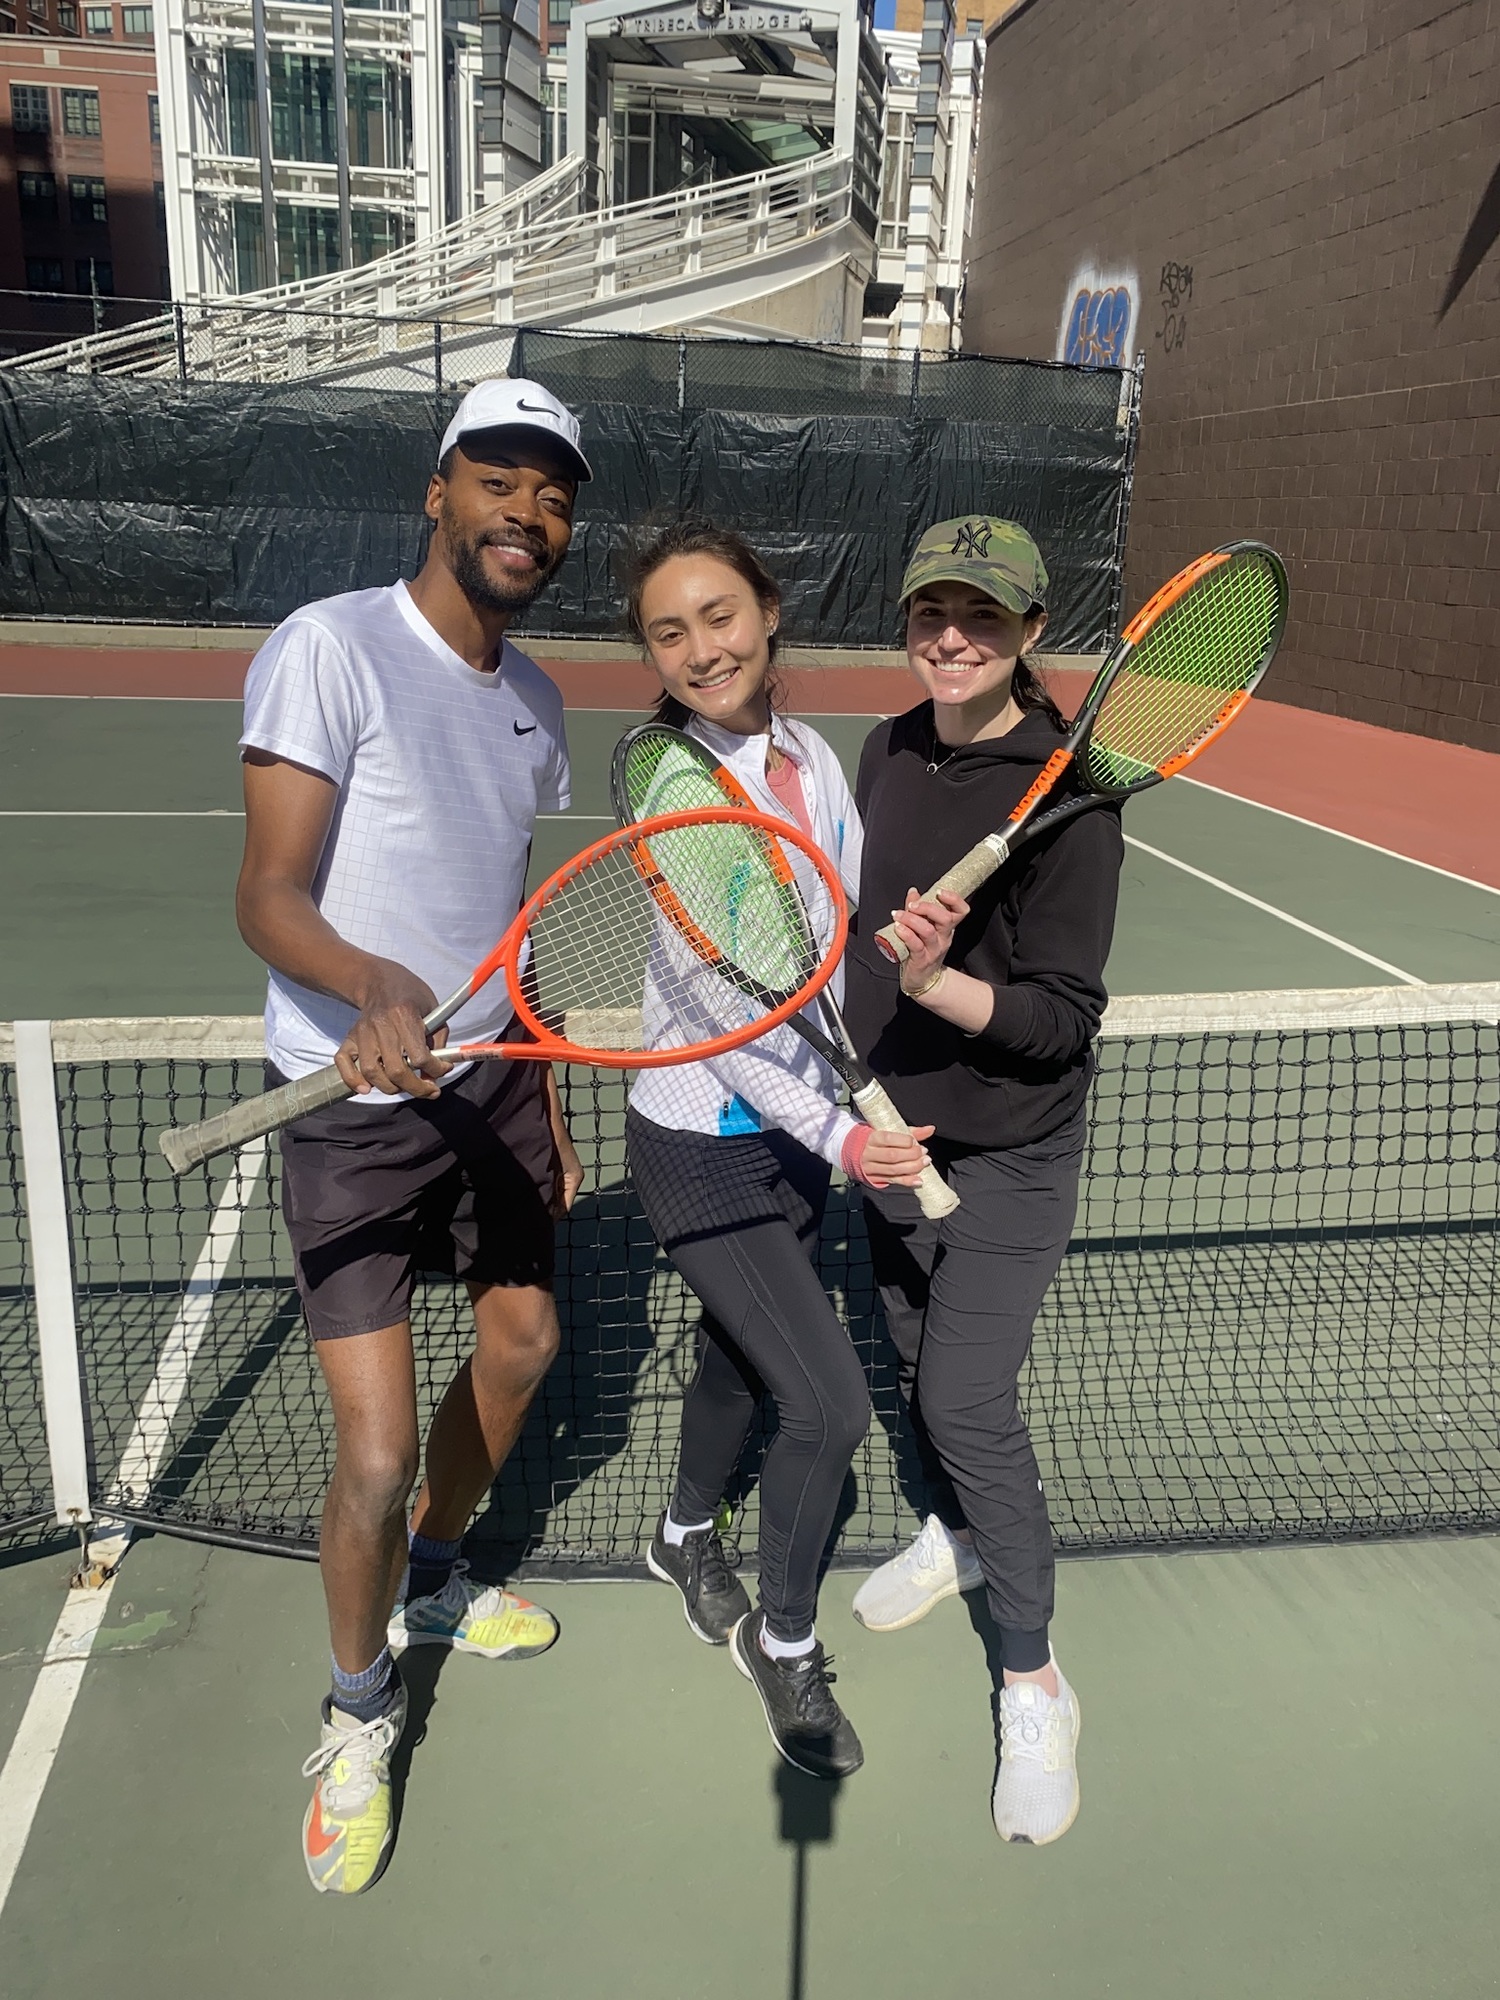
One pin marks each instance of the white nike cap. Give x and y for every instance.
(518, 406)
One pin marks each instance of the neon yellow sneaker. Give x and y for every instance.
(474, 1618)
(347, 1833)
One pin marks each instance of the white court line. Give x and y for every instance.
(1271, 910)
(149, 1441)
(1392, 853)
(23, 1777)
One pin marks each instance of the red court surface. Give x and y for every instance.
(1435, 802)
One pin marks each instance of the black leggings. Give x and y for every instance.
(960, 1299)
(739, 1218)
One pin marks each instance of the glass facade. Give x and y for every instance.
(303, 123)
(307, 242)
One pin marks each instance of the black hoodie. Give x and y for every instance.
(1038, 934)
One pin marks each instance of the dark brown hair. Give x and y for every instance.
(1028, 691)
(693, 537)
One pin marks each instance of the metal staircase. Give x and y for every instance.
(433, 310)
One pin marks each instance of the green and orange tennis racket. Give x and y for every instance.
(666, 942)
(1179, 674)
(657, 768)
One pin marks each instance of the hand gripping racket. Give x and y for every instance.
(637, 953)
(660, 769)
(1179, 674)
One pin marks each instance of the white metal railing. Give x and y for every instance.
(539, 256)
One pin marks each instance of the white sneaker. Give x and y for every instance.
(937, 1565)
(1036, 1787)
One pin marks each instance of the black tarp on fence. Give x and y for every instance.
(232, 503)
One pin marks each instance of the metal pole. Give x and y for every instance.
(437, 356)
(52, 1272)
(341, 132)
(272, 272)
(181, 339)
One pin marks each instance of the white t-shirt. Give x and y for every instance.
(441, 772)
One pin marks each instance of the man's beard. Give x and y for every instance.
(466, 559)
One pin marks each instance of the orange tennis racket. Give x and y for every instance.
(1178, 675)
(666, 942)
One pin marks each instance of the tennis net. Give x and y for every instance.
(1276, 1320)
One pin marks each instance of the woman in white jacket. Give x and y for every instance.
(732, 1160)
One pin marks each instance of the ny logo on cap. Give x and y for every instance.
(972, 539)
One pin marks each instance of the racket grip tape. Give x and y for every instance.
(933, 1193)
(187, 1145)
(962, 879)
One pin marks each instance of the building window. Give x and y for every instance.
(81, 114)
(29, 110)
(99, 20)
(38, 197)
(37, 8)
(161, 205)
(138, 22)
(96, 274)
(558, 12)
(153, 112)
(67, 17)
(86, 199)
(974, 26)
(43, 274)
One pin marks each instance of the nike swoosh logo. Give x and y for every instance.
(319, 1842)
(523, 732)
(536, 409)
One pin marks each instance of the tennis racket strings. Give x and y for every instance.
(666, 942)
(656, 764)
(1190, 664)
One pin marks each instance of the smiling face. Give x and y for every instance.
(504, 515)
(708, 637)
(963, 646)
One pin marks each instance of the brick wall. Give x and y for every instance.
(1275, 204)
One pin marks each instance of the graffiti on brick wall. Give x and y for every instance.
(1098, 322)
(1174, 290)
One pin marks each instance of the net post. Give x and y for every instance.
(52, 1268)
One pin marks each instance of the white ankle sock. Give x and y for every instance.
(786, 1649)
(675, 1533)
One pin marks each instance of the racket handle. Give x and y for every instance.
(186, 1145)
(933, 1193)
(962, 879)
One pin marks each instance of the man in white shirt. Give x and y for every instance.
(397, 750)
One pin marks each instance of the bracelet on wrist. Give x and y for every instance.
(931, 986)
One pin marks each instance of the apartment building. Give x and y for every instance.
(81, 196)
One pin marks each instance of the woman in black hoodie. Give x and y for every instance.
(985, 1031)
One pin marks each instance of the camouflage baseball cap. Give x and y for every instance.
(997, 557)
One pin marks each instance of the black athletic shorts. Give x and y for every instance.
(459, 1184)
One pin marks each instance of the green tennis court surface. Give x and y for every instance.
(1289, 1754)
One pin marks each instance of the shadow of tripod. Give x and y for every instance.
(806, 1820)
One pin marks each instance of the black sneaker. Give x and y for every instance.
(713, 1598)
(807, 1725)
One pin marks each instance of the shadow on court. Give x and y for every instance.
(805, 1815)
